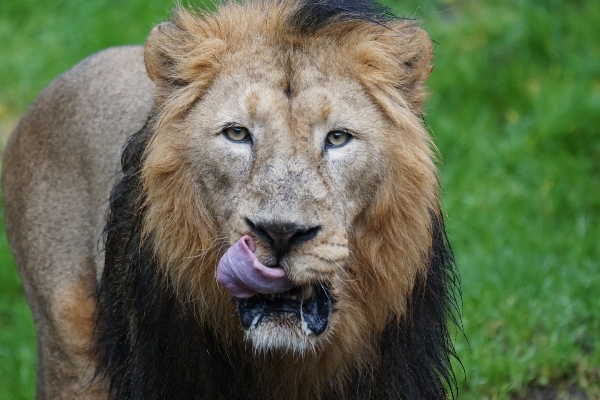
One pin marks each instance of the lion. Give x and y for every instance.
(248, 207)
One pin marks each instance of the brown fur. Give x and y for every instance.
(76, 310)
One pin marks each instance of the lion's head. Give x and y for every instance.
(290, 134)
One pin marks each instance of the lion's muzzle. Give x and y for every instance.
(264, 294)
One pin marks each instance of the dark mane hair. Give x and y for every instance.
(149, 345)
(313, 15)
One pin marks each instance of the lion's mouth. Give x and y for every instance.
(311, 305)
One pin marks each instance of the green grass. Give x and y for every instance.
(39, 40)
(516, 114)
(515, 111)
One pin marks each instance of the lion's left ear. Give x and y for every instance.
(396, 59)
(416, 55)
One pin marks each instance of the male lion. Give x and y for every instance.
(273, 230)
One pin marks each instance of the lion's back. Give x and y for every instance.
(62, 158)
(59, 167)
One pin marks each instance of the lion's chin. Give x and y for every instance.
(293, 321)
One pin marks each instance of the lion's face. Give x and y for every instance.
(289, 142)
(290, 161)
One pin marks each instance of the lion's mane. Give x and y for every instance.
(164, 327)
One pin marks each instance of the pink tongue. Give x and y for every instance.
(243, 275)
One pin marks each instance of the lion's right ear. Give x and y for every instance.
(160, 62)
(182, 58)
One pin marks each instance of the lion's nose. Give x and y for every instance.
(281, 235)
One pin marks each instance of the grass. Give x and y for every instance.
(39, 40)
(515, 111)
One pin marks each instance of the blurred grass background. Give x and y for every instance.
(515, 111)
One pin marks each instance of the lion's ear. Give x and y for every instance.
(182, 58)
(416, 55)
(397, 60)
(160, 63)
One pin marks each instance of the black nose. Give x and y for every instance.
(282, 235)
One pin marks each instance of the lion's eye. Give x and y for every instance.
(236, 133)
(337, 138)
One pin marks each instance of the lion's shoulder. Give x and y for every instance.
(83, 119)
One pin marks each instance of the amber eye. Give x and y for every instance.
(337, 138)
(236, 133)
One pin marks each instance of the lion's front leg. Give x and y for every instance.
(65, 324)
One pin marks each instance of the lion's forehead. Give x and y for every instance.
(306, 99)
